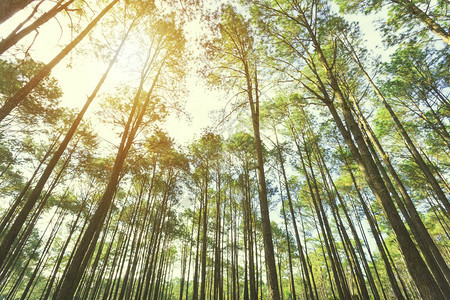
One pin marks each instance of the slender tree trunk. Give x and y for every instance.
(291, 272)
(204, 235)
(245, 232)
(183, 268)
(248, 211)
(190, 257)
(217, 257)
(279, 274)
(195, 288)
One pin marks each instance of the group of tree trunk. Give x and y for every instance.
(335, 185)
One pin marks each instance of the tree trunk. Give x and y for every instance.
(416, 266)
(195, 288)
(410, 145)
(15, 36)
(291, 272)
(204, 235)
(425, 19)
(432, 255)
(271, 268)
(9, 7)
(248, 228)
(217, 257)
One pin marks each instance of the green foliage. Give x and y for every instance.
(402, 22)
(42, 102)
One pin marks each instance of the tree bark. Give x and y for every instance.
(204, 234)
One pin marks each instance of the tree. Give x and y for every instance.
(237, 57)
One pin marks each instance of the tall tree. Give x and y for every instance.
(237, 55)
